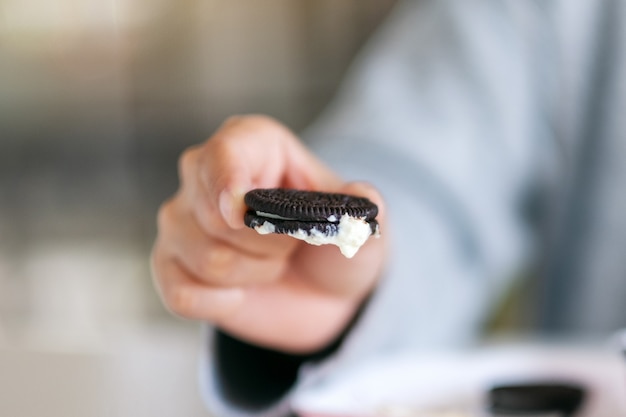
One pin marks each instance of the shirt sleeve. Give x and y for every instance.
(440, 113)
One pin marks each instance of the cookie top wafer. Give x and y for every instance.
(309, 205)
(316, 217)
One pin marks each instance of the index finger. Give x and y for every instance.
(256, 152)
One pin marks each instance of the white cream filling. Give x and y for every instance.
(272, 216)
(266, 228)
(352, 233)
(332, 218)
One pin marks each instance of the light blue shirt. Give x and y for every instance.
(496, 131)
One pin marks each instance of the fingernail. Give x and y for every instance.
(226, 206)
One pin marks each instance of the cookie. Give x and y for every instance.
(318, 218)
(541, 397)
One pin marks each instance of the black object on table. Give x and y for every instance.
(564, 398)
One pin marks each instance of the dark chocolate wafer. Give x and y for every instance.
(313, 216)
(309, 205)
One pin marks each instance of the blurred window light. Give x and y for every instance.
(63, 15)
(22, 18)
(73, 37)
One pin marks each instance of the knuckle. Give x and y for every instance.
(225, 148)
(165, 215)
(219, 264)
(187, 161)
(253, 122)
(261, 119)
(247, 119)
(180, 301)
(271, 270)
(221, 149)
(234, 120)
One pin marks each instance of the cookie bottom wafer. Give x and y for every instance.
(349, 234)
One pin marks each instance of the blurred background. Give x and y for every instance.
(97, 100)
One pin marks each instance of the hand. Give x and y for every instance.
(270, 290)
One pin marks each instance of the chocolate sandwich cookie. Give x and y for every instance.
(316, 217)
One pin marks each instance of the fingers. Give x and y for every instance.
(290, 317)
(184, 296)
(206, 263)
(199, 277)
(209, 221)
(211, 260)
(202, 247)
(245, 153)
(254, 151)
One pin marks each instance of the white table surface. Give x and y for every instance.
(409, 384)
(150, 375)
